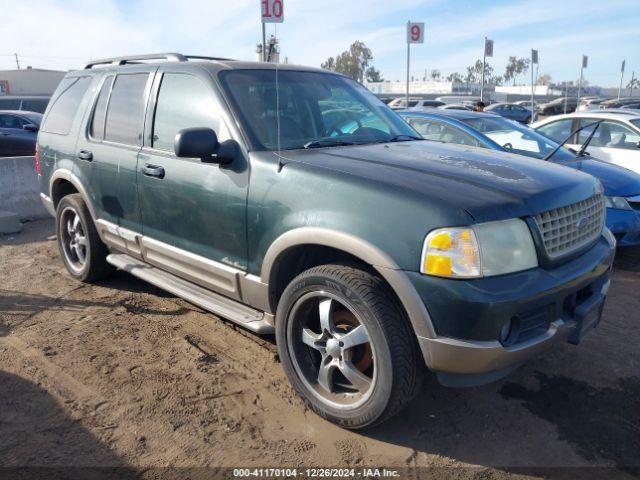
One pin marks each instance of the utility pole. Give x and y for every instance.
(633, 77)
(17, 62)
(621, 77)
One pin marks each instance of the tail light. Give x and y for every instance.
(37, 161)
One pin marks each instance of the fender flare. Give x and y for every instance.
(68, 175)
(365, 251)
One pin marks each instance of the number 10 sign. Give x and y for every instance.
(272, 11)
(415, 32)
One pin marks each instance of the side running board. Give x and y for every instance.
(239, 313)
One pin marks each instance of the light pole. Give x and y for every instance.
(534, 60)
(585, 62)
(621, 77)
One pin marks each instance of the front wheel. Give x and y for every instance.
(347, 346)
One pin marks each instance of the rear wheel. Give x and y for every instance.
(346, 346)
(81, 249)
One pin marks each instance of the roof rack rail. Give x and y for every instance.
(171, 57)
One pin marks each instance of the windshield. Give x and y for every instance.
(516, 138)
(35, 118)
(636, 122)
(315, 110)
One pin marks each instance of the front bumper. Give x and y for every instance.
(468, 315)
(625, 226)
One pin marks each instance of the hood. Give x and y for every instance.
(617, 181)
(488, 184)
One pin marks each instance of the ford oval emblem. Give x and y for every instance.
(581, 223)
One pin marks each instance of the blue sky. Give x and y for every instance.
(64, 33)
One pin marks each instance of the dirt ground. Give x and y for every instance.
(123, 374)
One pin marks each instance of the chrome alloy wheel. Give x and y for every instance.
(331, 350)
(73, 239)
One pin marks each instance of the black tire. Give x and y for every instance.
(398, 364)
(94, 266)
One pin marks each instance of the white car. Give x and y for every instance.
(616, 141)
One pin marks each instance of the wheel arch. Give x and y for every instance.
(63, 182)
(282, 262)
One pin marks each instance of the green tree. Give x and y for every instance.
(455, 77)
(435, 74)
(353, 63)
(515, 67)
(373, 75)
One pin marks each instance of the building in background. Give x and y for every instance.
(423, 87)
(28, 89)
(29, 81)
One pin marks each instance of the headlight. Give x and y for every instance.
(483, 250)
(619, 203)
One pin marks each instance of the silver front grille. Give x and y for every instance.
(567, 229)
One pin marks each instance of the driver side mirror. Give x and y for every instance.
(203, 143)
(30, 127)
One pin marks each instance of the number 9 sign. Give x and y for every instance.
(272, 11)
(415, 32)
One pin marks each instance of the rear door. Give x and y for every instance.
(193, 213)
(109, 148)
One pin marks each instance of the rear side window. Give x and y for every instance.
(65, 104)
(126, 105)
(97, 123)
(11, 121)
(34, 105)
(183, 102)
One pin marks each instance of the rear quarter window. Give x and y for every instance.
(64, 105)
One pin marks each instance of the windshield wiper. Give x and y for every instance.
(327, 142)
(581, 152)
(402, 138)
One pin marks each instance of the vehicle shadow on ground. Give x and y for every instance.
(39, 440)
(471, 425)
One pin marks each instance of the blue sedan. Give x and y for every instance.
(510, 111)
(486, 130)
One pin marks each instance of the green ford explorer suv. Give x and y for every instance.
(290, 200)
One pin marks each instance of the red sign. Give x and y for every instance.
(272, 11)
(4, 87)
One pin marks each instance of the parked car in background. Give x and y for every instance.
(464, 99)
(633, 106)
(524, 103)
(617, 139)
(426, 103)
(456, 106)
(29, 103)
(621, 186)
(18, 132)
(400, 103)
(370, 253)
(618, 103)
(558, 106)
(591, 103)
(510, 111)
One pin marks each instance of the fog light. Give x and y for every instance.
(505, 331)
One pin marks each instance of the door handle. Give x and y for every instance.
(153, 171)
(85, 155)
